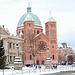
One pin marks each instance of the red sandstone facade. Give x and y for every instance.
(35, 42)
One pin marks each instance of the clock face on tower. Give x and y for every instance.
(41, 46)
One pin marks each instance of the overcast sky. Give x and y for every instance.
(63, 12)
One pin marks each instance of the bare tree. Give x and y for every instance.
(60, 59)
(32, 49)
(70, 59)
(33, 52)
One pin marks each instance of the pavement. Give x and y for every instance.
(62, 73)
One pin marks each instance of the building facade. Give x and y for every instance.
(35, 42)
(63, 52)
(12, 45)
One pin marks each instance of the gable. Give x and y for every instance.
(42, 37)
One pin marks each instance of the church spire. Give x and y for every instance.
(50, 13)
(28, 8)
(51, 19)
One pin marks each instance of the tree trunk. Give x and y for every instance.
(33, 61)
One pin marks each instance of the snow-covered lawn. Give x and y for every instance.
(33, 71)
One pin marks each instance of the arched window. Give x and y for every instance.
(31, 34)
(37, 61)
(9, 45)
(28, 34)
(29, 24)
(46, 27)
(34, 31)
(37, 32)
(30, 57)
(13, 57)
(42, 61)
(13, 45)
(22, 32)
(10, 58)
(51, 33)
(53, 57)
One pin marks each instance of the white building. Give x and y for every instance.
(12, 45)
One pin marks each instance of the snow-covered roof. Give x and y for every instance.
(60, 45)
(63, 45)
(37, 35)
(68, 46)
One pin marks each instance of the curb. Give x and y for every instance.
(68, 71)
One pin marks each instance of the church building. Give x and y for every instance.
(35, 43)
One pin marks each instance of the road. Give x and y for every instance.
(62, 73)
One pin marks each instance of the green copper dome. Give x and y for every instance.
(51, 19)
(29, 17)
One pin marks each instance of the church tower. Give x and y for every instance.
(51, 32)
(29, 26)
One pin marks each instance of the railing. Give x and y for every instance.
(36, 71)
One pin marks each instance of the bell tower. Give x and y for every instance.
(51, 32)
(50, 28)
(28, 26)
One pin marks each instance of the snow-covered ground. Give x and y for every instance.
(33, 71)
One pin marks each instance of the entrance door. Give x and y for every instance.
(37, 62)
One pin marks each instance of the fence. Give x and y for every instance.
(36, 71)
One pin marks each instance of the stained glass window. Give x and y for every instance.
(42, 46)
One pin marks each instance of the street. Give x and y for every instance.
(62, 73)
